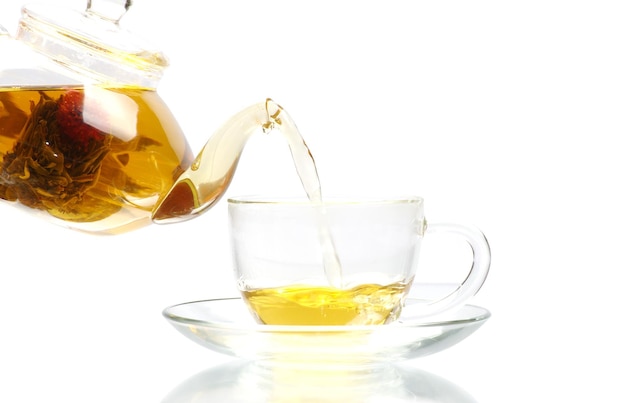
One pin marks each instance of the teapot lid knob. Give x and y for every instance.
(111, 10)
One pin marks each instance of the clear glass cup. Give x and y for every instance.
(343, 262)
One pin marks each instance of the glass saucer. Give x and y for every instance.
(226, 326)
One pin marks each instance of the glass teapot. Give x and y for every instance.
(85, 139)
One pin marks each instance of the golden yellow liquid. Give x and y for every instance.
(107, 182)
(366, 304)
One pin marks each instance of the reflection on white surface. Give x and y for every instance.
(247, 382)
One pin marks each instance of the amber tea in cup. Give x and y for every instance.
(341, 262)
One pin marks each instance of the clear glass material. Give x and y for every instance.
(91, 43)
(343, 262)
(225, 326)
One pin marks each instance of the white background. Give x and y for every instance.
(506, 115)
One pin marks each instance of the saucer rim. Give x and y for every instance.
(412, 322)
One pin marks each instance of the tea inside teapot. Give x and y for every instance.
(96, 159)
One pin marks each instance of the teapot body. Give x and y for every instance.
(85, 139)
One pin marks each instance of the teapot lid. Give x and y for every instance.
(92, 42)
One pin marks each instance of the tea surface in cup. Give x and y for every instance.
(300, 304)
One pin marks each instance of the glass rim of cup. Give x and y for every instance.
(327, 201)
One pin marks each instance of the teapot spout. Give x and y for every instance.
(206, 180)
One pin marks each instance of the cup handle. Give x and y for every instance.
(475, 278)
